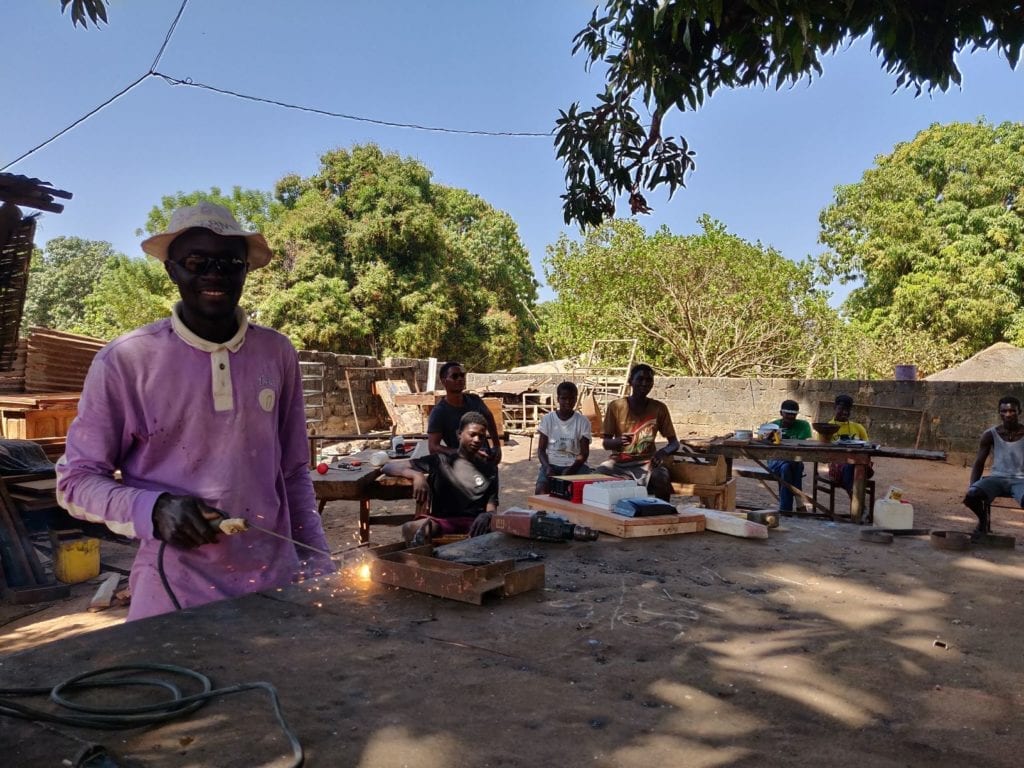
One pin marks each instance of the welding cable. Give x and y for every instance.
(114, 718)
(163, 575)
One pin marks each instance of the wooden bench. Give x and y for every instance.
(763, 476)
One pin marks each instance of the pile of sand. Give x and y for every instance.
(1000, 362)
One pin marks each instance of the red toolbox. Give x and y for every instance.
(571, 486)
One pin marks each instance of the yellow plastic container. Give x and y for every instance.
(75, 557)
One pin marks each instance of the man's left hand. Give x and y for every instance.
(495, 454)
(481, 525)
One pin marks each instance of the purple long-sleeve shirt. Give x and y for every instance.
(222, 422)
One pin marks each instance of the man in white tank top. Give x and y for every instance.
(1005, 442)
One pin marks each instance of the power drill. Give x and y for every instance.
(532, 524)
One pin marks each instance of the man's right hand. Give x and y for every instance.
(420, 488)
(184, 521)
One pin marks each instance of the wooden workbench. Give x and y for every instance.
(363, 484)
(840, 452)
(617, 525)
(623, 661)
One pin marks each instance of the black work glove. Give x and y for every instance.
(184, 521)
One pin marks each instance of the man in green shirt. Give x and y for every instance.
(788, 471)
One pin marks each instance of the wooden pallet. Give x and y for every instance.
(624, 527)
(408, 419)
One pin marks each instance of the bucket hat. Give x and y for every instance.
(215, 218)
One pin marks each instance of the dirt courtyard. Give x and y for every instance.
(812, 648)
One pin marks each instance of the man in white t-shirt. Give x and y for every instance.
(564, 442)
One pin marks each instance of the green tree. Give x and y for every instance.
(673, 54)
(710, 304)
(60, 279)
(374, 257)
(130, 293)
(935, 230)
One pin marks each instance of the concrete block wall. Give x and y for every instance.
(956, 413)
(338, 415)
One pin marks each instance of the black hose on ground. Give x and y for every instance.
(115, 718)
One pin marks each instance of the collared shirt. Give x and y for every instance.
(222, 422)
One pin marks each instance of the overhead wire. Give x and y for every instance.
(77, 122)
(344, 116)
(167, 37)
(188, 82)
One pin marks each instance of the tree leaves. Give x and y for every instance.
(936, 236)
(84, 11)
(670, 54)
(60, 279)
(702, 305)
(409, 267)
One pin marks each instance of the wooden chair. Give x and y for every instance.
(826, 486)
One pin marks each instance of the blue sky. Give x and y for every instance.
(767, 161)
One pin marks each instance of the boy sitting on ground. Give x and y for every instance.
(566, 432)
(461, 487)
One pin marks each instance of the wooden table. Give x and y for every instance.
(860, 456)
(361, 484)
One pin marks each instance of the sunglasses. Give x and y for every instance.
(201, 264)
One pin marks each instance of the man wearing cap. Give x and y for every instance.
(202, 415)
(787, 470)
(848, 430)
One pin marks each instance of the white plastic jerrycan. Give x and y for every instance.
(893, 514)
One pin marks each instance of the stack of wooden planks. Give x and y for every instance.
(58, 361)
(13, 378)
(16, 234)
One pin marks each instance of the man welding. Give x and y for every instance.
(202, 414)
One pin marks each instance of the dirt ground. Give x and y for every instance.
(813, 648)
